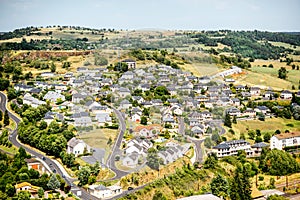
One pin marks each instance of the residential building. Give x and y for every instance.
(231, 148)
(77, 147)
(285, 94)
(53, 96)
(280, 141)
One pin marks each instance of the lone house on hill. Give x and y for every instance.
(77, 147)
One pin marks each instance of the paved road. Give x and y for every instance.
(197, 142)
(116, 148)
(50, 164)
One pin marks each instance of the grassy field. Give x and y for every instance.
(272, 73)
(201, 69)
(285, 45)
(98, 138)
(269, 125)
(264, 80)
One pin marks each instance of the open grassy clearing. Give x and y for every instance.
(293, 75)
(12, 150)
(201, 69)
(269, 125)
(98, 138)
(263, 81)
(285, 45)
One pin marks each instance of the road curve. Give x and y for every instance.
(54, 166)
(116, 148)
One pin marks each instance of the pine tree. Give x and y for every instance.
(53, 182)
(6, 118)
(234, 119)
(240, 187)
(219, 186)
(227, 121)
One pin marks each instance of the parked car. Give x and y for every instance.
(130, 188)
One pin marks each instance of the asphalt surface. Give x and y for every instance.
(116, 148)
(53, 166)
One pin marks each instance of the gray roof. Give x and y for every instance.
(259, 145)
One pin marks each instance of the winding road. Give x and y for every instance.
(116, 148)
(50, 163)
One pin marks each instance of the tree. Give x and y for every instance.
(282, 73)
(11, 93)
(211, 161)
(240, 187)
(53, 182)
(144, 120)
(23, 195)
(159, 196)
(53, 67)
(41, 192)
(234, 119)
(1, 115)
(207, 142)
(227, 121)
(153, 160)
(219, 186)
(4, 83)
(279, 163)
(83, 175)
(276, 197)
(267, 137)
(6, 118)
(10, 190)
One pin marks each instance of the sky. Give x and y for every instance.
(269, 15)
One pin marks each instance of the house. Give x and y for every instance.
(30, 100)
(233, 111)
(129, 75)
(78, 83)
(131, 160)
(82, 119)
(77, 147)
(53, 96)
(22, 87)
(202, 197)
(257, 148)
(250, 113)
(235, 102)
(149, 131)
(47, 74)
(285, 94)
(136, 117)
(76, 98)
(33, 163)
(103, 118)
(125, 104)
(139, 99)
(165, 157)
(269, 95)
(131, 63)
(229, 72)
(262, 109)
(134, 148)
(50, 116)
(254, 91)
(25, 186)
(157, 102)
(240, 88)
(231, 148)
(283, 140)
(99, 191)
(123, 92)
